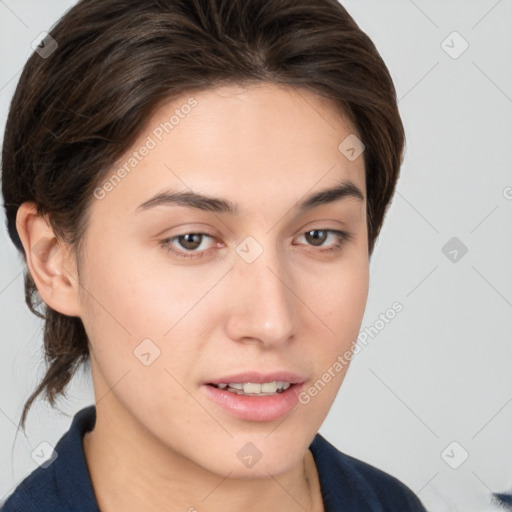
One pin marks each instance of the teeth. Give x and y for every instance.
(252, 388)
(255, 388)
(269, 387)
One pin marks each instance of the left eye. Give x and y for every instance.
(317, 239)
(191, 241)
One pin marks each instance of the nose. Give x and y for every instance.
(261, 304)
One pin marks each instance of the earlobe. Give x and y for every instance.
(48, 261)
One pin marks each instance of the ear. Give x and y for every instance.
(49, 261)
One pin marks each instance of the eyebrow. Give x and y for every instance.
(347, 189)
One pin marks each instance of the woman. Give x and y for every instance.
(196, 187)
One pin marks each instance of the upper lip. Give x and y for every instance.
(260, 378)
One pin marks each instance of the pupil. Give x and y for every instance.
(191, 244)
(316, 238)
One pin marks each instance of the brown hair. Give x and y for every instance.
(75, 112)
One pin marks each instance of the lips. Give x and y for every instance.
(260, 407)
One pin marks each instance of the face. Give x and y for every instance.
(258, 285)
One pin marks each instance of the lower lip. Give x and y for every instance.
(255, 408)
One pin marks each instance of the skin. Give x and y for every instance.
(296, 308)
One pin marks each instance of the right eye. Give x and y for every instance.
(191, 242)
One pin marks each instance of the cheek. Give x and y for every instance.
(340, 306)
(340, 296)
(346, 298)
(130, 298)
(340, 303)
(138, 313)
(129, 312)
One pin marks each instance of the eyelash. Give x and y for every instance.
(342, 238)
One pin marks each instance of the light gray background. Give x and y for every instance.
(440, 371)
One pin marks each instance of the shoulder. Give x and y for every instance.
(359, 486)
(35, 493)
(61, 483)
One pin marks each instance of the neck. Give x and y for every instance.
(120, 450)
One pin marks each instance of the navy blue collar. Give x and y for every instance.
(71, 473)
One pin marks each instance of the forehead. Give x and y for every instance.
(253, 143)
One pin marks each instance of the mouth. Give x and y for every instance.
(254, 388)
(254, 396)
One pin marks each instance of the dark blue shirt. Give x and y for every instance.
(347, 484)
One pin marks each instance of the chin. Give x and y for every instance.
(251, 456)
